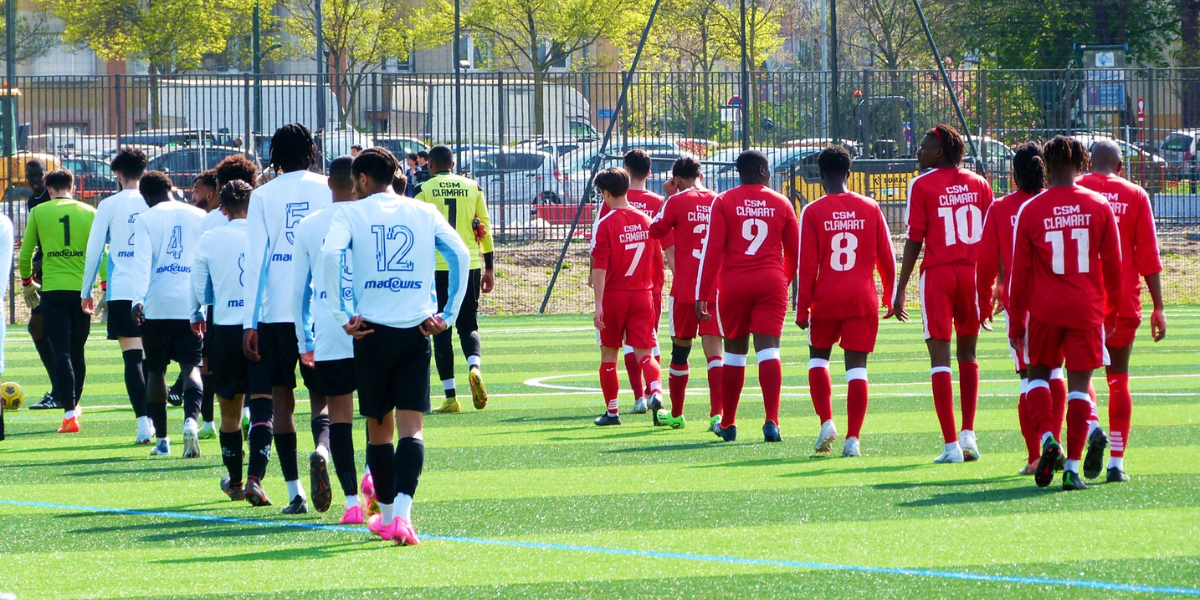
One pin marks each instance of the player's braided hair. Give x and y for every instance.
(1029, 167)
(1063, 153)
(292, 148)
(235, 195)
(953, 148)
(237, 167)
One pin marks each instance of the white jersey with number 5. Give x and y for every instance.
(275, 210)
(164, 241)
(394, 242)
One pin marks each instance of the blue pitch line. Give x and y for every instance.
(932, 573)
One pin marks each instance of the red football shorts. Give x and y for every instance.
(857, 334)
(628, 319)
(685, 325)
(1018, 357)
(746, 307)
(657, 310)
(1125, 330)
(948, 297)
(1048, 345)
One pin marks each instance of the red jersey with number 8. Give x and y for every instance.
(753, 236)
(945, 211)
(844, 239)
(622, 246)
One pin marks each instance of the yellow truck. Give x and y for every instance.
(885, 180)
(12, 168)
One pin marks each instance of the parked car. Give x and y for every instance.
(334, 143)
(577, 165)
(785, 162)
(169, 137)
(92, 176)
(1146, 168)
(182, 165)
(400, 146)
(1180, 149)
(515, 182)
(556, 147)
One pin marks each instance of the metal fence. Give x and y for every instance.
(525, 137)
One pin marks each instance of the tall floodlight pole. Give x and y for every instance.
(458, 76)
(835, 78)
(320, 66)
(745, 91)
(824, 35)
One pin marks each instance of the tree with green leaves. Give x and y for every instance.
(360, 35)
(32, 32)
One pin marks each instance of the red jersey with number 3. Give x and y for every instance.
(945, 211)
(1139, 242)
(753, 235)
(622, 246)
(844, 238)
(685, 217)
(1066, 257)
(650, 204)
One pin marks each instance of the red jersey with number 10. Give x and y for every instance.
(685, 217)
(843, 240)
(753, 235)
(1139, 241)
(945, 211)
(1066, 257)
(622, 246)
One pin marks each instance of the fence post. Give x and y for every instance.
(247, 92)
(1151, 109)
(864, 119)
(120, 109)
(981, 79)
(500, 125)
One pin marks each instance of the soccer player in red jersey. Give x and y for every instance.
(945, 212)
(995, 259)
(844, 238)
(1066, 258)
(637, 164)
(685, 216)
(622, 280)
(1139, 255)
(748, 261)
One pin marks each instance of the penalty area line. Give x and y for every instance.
(705, 558)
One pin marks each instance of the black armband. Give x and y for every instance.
(489, 262)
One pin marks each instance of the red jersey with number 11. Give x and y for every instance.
(843, 240)
(622, 246)
(753, 235)
(945, 211)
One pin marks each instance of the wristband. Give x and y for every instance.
(489, 261)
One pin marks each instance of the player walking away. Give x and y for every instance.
(945, 212)
(1139, 256)
(217, 278)
(275, 210)
(113, 227)
(326, 348)
(60, 227)
(205, 196)
(35, 177)
(748, 262)
(164, 239)
(392, 240)
(1066, 257)
(6, 237)
(685, 216)
(623, 282)
(462, 203)
(844, 238)
(994, 256)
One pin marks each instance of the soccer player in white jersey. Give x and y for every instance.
(326, 348)
(113, 227)
(217, 278)
(164, 248)
(391, 313)
(270, 331)
(6, 241)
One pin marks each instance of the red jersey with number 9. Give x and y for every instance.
(945, 211)
(622, 246)
(753, 235)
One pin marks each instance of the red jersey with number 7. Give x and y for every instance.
(685, 217)
(844, 238)
(621, 245)
(753, 235)
(650, 204)
(1066, 257)
(945, 212)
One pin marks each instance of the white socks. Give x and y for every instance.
(1115, 462)
(404, 506)
(294, 489)
(473, 362)
(352, 502)
(386, 513)
(1072, 466)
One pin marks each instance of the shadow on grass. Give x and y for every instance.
(558, 419)
(134, 471)
(978, 497)
(912, 485)
(666, 447)
(606, 436)
(88, 448)
(864, 470)
(281, 554)
(79, 462)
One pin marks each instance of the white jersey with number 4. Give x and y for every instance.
(164, 239)
(317, 330)
(113, 225)
(219, 271)
(395, 241)
(275, 210)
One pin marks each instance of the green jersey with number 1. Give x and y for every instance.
(61, 227)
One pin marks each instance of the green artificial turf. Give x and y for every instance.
(528, 499)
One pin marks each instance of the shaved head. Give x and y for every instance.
(1106, 157)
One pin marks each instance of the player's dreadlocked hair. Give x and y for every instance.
(1029, 167)
(953, 148)
(292, 148)
(1064, 152)
(236, 167)
(235, 195)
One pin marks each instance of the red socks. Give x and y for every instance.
(1120, 411)
(968, 385)
(733, 377)
(1078, 410)
(943, 402)
(1032, 441)
(610, 385)
(1058, 408)
(770, 379)
(716, 366)
(653, 374)
(1039, 409)
(677, 381)
(634, 370)
(856, 401)
(820, 386)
